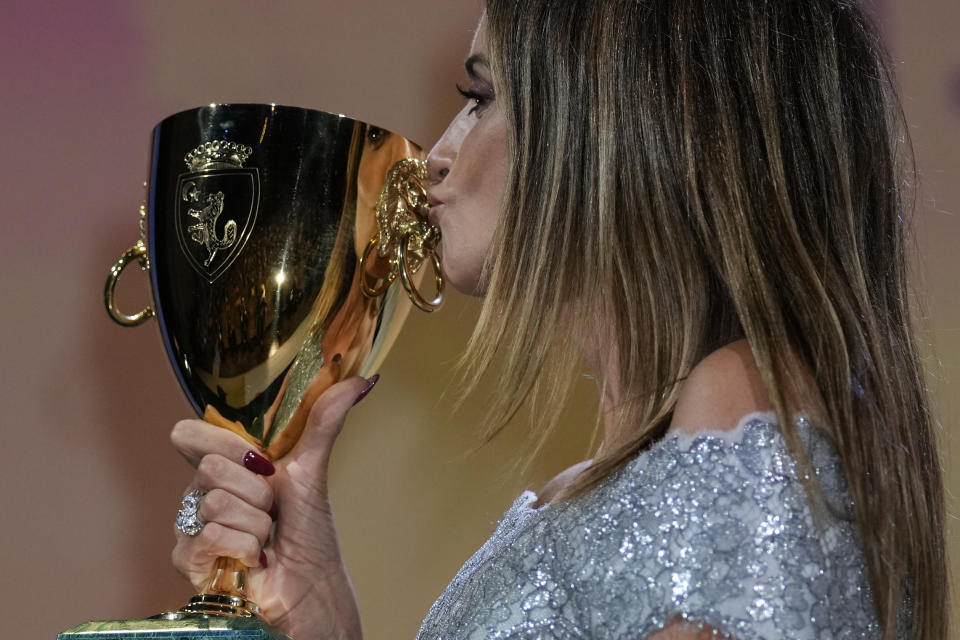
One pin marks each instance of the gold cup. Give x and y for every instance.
(272, 236)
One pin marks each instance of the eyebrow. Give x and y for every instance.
(473, 61)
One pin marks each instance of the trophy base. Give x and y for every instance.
(177, 625)
(216, 604)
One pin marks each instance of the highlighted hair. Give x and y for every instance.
(685, 174)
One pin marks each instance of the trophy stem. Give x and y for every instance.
(226, 595)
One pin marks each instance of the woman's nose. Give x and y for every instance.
(407, 149)
(444, 153)
(438, 163)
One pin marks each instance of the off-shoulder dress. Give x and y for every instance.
(714, 528)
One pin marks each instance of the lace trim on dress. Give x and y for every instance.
(685, 439)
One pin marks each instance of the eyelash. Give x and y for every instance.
(477, 97)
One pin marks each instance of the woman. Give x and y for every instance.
(705, 199)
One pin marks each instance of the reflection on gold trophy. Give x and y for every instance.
(272, 236)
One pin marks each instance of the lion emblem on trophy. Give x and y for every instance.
(205, 231)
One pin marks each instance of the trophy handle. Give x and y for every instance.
(406, 277)
(403, 228)
(137, 252)
(376, 289)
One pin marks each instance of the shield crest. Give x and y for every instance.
(216, 213)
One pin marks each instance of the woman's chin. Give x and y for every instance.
(464, 281)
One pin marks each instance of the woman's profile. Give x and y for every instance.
(705, 201)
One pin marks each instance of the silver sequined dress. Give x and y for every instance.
(715, 529)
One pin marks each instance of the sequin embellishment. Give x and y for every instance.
(713, 529)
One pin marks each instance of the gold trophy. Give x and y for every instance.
(271, 236)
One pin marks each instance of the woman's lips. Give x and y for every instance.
(432, 216)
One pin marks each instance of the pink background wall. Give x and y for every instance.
(91, 482)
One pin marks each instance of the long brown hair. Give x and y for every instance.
(695, 172)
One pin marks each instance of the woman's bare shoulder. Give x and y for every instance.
(560, 482)
(682, 630)
(722, 388)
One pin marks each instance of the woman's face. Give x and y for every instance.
(468, 172)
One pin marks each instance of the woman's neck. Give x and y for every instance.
(601, 358)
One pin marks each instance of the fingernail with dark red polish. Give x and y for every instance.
(371, 383)
(258, 464)
(263, 559)
(274, 512)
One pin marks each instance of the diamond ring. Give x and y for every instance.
(187, 521)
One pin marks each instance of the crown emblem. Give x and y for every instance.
(217, 154)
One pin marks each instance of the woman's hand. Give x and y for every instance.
(296, 574)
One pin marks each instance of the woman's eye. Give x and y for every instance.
(376, 136)
(480, 100)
